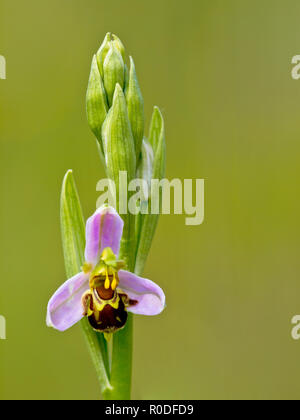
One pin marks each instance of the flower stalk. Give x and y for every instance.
(100, 293)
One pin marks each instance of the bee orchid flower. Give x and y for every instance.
(103, 291)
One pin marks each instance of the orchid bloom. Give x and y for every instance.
(103, 291)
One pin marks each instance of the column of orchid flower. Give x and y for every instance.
(100, 288)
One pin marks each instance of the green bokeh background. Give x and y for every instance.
(221, 73)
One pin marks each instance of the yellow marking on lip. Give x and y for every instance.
(107, 282)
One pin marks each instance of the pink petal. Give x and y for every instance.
(149, 296)
(103, 229)
(65, 307)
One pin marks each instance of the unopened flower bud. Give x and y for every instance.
(102, 52)
(113, 72)
(119, 45)
(110, 39)
(117, 139)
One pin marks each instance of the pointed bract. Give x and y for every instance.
(118, 140)
(102, 52)
(113, 72)
(157, 128)
(148, 222)
(135, 106)
(145, 168)
(96, 102)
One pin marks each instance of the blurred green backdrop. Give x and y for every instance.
(221, 72)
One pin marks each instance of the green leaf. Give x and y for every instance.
(148, 222)
(158, 140)
(72, 226)
(73, 239)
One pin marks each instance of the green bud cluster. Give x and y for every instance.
(109, 84)
(115, 112)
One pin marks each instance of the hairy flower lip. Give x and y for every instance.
(103, 230)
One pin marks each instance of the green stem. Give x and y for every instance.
(121, 368)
